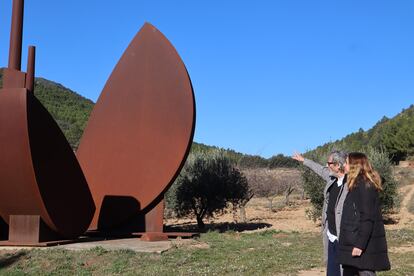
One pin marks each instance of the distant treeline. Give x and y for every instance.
(250, 161)
(396, 136)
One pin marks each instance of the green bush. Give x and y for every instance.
(208, 183)
(381, 162)
(314, 185)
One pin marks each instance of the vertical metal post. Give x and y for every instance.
(30, 75)
(15, 51)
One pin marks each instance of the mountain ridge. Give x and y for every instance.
(396, 135)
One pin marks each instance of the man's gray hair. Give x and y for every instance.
(339, 157)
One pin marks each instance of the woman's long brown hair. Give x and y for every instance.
(360, 166)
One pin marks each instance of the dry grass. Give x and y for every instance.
(281, 242)
(404, 175)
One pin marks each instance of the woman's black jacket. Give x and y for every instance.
(362, 227)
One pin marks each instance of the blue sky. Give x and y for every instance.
(269, 76)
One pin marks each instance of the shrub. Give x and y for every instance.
(270, 183)
(381, 162)
(208, 183)
(313, 185)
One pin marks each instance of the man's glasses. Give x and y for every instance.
(330, 163)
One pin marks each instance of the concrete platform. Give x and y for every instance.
(134, 244)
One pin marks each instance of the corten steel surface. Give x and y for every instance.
(16, 34)
(140, 130)
(39, 173)
(29, 229)
(12, 76)
(154, 219)
(30, 69)
(154, 226)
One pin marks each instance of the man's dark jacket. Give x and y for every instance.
(362, 227)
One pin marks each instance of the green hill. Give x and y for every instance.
(70, 110)
(395, 136)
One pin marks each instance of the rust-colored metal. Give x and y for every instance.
(16, 34)
(42, 187)
(29, 229)
(30, 69)
(134, 146)
(39, 173)
(154, 236)
(12, 76)
(154, 224)
(154, 219)
(140, 131)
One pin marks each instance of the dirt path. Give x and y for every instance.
(313, 272)
(404, 217)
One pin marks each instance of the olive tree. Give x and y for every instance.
(208, 183)
(270, 183)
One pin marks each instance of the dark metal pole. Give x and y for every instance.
(15, 52)
(30, 75)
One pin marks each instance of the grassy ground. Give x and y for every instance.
(231, 253)
(401, 260)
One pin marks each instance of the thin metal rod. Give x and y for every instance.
(30, 75)
(15, 51)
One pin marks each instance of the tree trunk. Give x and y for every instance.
(234, 212)
(243, 214)
(200, 223)
(288, 192)
(270, 204)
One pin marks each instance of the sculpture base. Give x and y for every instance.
(146, 226)
(154, 236)
(4, 230)
(125, 235)
(162, 236)
(38, 244)
(30, 230)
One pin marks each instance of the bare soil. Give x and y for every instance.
(294, 218)
(318, 271)
(259, 217)
(404, 217)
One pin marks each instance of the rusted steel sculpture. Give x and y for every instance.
(135, 144)
(139, 135)
(44, 195)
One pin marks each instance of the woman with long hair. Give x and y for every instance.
(362, 243)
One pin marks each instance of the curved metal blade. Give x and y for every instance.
(140, 130)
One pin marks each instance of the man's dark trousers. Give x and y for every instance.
(333, 268)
